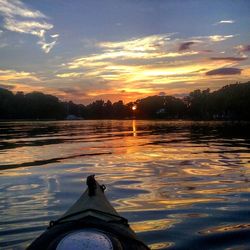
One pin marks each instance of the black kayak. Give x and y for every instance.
(91, 223)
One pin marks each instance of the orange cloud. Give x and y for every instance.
(136, 68)
(148, 65)
(7, 75)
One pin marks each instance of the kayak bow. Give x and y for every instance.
(90, 223)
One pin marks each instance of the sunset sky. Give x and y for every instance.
(84, 50)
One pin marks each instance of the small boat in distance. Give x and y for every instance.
(73, 117)
(90, 223)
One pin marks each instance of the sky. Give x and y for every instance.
(86, 50)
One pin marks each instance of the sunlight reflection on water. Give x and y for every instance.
(179, 183)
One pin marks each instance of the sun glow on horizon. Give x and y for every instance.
(126, 62)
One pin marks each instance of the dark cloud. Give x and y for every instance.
(244, 48)
(224, 71)
(73, 91)
(162, 94)
(233, 59)
(9, 87)
(185, 46)
(206, 51)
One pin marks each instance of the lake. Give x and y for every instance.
(181, 185)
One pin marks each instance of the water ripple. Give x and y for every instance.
(182, 185)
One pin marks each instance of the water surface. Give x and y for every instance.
(182, 185)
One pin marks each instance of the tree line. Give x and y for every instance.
(231, 102)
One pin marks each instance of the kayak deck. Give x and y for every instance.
(92, 205)
(92, 211)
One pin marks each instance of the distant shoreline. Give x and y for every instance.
(230, 103)
(129, 119)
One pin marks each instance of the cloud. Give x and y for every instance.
(29, 87)
(224, 71)
(243, 48)
(104, 59)
(225, 22)
(162, 93)
(212, 38)
(232, 59)
(143, 49)
(148, 43)
(155, 73)
(17, 8)
(46, 46)
(17, 17)
(219, 38)
(9, 75)
(185, 46)
(54, 35)
(148, 65)
(73, 91)
(206, 51)
(6, 86)
(28, 27)
(155, 47)
(3, 45)
(71, 74)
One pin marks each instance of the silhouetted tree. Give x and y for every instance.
(119, 110)
(198, 104)
(108, 109)
(6, 107)
(95, 109)
(174, 108)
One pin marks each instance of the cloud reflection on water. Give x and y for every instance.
(172, 170)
